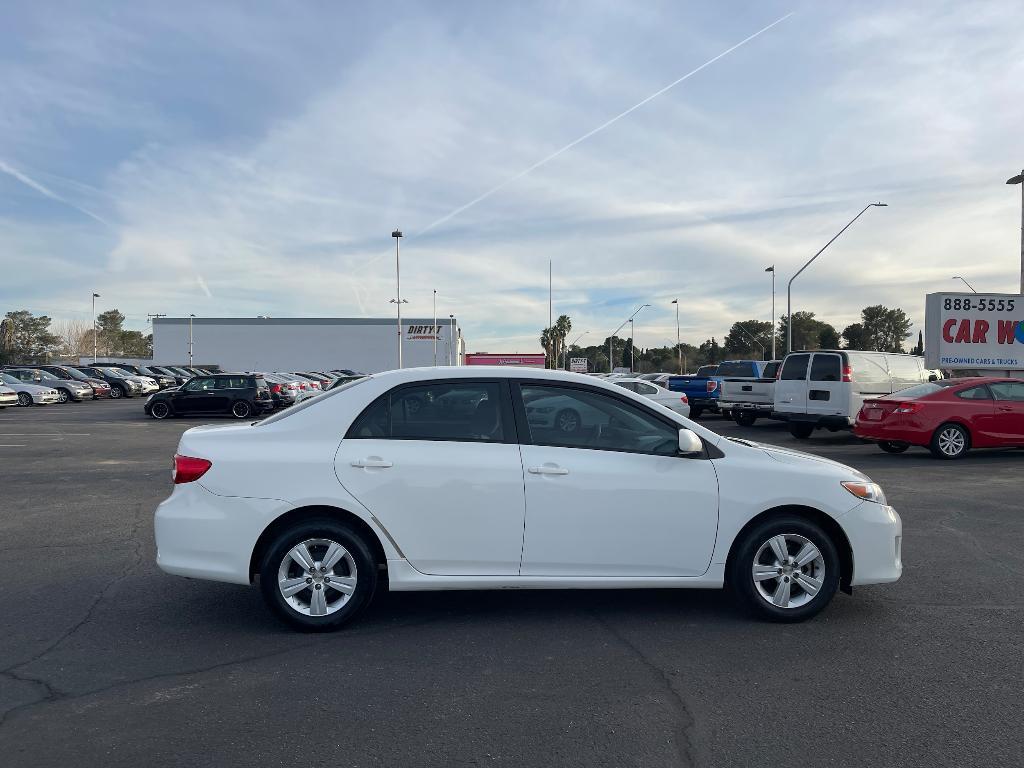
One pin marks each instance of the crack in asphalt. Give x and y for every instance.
(51, 692)
(685, 745)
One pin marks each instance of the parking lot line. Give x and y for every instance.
(45, 434)
(13, 445)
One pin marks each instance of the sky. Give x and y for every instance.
(238, 159)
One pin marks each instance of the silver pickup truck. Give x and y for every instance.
(749, 393)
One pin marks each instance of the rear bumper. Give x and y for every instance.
(7, 400)
(760, 408)
(896, 433)
(875, 532)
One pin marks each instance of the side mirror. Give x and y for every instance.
(689, 443)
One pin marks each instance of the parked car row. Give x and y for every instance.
(33, 384)
(242, 395)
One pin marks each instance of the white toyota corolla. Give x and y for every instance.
(438, 478)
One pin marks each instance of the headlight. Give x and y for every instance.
(865, 491)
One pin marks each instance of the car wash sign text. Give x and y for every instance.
(974, 331)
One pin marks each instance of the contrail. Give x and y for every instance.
(599, 128)
(33, 184)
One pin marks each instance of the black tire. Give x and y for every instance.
(160, 410)
(745, 553)
(568, 421)
(241, 409)
(317, 529)
(744, 418)
(117, 391)
(63, 395)
(725, 414)
(24, 399)
(893, 446)
(945, 440)
(695, 413)
(801, 430)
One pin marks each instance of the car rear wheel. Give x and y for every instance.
(24, 399)
(695, 413)
(744, 418)
(893, 446)
(160, 410)
(950, 441)
(241, 409)
(801, 430)
(785, 569)
(318, 575)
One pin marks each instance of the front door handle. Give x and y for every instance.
(375, 463)
(548, 470)
(1005, 407)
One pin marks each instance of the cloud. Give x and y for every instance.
(33, 184)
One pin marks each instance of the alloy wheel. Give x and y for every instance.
(568, 421)
(115, 392)
(62, 395)
(160, 410)
(24, 398)
(952, 441)
(317, 577)
(788, 570)
(240, 410)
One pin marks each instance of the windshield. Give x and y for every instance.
(309, 403)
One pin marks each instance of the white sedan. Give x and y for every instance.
(676, 401)
(30, 394)
(393, 481)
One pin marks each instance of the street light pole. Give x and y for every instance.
(190, 340)
(789, 286)
(753, 339)
(679, 343)
(433, 331)
(94, 297)
(772, 270)
(632, 344)
(1019, 179)
(957, 277)
(630, 320)
(397, 301)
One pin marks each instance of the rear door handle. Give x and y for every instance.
(375, 463)
(548, 470)
(1005, 407)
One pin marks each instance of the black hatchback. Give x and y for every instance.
(237, 394)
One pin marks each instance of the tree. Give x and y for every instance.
(750, 339)
(711, 352)
(75, 338)
(27, 339)
(110, 324)
(806, 330)
(627, 354)
(134, 344)
(853, 334)
(919, 348)
(885, 329)
(553, 340)
(828, 338)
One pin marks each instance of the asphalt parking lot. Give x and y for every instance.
(104, 660)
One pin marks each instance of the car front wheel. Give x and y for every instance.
(318, 575)
(116, 392)
(785, 569)
(63, 396)
(893, 446)
(160, 410)
(24, 399)
(801, 430)
(744, 418)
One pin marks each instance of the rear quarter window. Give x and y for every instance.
(795, 368)
(736, 369)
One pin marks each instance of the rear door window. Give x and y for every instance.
(826, 368)
(795, 368)
(1008, 390)
(975, 393)
(771, 370)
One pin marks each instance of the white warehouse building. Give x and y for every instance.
(364, 344)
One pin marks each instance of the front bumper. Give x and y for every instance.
(46, 398)
(875, 532)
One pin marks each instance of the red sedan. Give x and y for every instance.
(949, 417)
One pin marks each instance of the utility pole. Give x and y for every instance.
(433, 331)
(679, 343)
(453, 352)
(1019, 179)
(190, 340)
(772, 270)
(94, 297)
(398, 301)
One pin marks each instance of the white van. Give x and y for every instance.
(826, 388)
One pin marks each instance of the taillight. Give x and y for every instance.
(712, 385)
(188, 469)
(684, 399)
(302, 387)
(847, 373)
(275, 388)
(907, 408)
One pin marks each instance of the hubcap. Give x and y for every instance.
(788, 570)
(951, 441)
(317, 577)
(62, 396)
(567, 422)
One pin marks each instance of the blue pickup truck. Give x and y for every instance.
(704, 388)
(701, 389)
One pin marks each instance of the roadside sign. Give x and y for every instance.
(578, 364)
(974, 331)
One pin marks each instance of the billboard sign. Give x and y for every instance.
(974, 331)
(578, 364)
